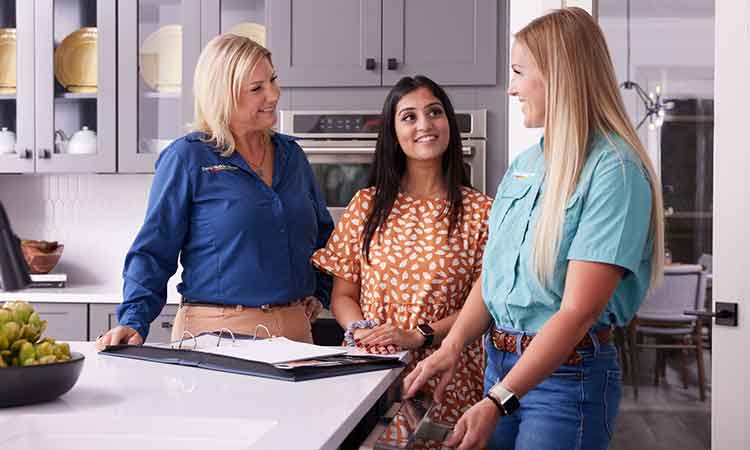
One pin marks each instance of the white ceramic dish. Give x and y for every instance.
(160, 59)
(254, 31)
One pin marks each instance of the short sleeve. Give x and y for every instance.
(482, 214)
(616, 214)
(341, 257)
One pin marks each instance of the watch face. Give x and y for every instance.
(425, 329)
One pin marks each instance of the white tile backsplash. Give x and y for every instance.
(96, 217)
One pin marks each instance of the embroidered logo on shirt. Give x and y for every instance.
(522, 175)
(218, 168)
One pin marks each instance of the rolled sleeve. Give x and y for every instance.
(152, 259)
(614, 224)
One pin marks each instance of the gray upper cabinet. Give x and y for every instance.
(326, 42)
(452, 42)
(159, 44)
(75, 78)
(322, 43)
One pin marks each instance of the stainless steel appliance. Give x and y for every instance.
(340, 146)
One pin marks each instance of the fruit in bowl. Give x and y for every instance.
(32, 369)
(41, 256)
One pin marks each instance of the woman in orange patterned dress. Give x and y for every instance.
(407, 249)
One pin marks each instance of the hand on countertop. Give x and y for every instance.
(119, 335)
(391, 338)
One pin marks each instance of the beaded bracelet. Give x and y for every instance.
(357, 325)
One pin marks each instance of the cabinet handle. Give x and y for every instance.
(370, 64)
(45, 154)
(25, 154)
(392, 64)
(166, 325)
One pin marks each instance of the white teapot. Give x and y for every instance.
(83, 142)
(7, 141)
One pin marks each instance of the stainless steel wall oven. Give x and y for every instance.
(340, 146)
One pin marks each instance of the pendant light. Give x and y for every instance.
(652, 102)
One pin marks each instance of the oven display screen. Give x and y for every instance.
(337, 123)
(354, 123)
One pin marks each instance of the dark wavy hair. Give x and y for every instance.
(390, 161)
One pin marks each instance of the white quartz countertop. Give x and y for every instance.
(121, 404)
(75, 294)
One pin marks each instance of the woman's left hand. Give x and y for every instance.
(388, 335)
(474, 429)
(313, 307)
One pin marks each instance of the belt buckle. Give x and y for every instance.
(266, 307)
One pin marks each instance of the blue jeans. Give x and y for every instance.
(573, 409)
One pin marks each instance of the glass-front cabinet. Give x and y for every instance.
(243, 17)
(57, 86)
(75, 62)
(159, 44)
(16, 86)
(104, 85)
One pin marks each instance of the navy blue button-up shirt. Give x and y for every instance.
(239, 241)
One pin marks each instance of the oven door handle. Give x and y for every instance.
(339, 150)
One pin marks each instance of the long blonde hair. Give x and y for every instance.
(581, 96)
(222, 67)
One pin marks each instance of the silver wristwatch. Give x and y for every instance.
(505, 400)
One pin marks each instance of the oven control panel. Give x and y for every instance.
(337, 123)
(363, 125)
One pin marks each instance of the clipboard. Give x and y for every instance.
(299, 370)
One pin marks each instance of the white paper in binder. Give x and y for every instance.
(274, 350)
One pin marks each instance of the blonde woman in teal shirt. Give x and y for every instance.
(576, 239)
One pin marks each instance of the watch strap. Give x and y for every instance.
(429, 334)
(504, 398)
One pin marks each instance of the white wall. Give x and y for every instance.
(96, 217)
(521, 13)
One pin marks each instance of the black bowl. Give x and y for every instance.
(35, 384)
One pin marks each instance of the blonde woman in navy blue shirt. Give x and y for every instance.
(238, 204)
(575, 241)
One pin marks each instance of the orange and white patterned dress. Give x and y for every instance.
(417, 273)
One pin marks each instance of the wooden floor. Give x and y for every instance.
(665, 417)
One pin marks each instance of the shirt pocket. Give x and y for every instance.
(573, 210)
(511, 195)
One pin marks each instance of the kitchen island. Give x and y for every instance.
(121, 403)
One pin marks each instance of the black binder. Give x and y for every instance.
(329, 366)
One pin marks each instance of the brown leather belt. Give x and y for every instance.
(267, 307)
(506, 342)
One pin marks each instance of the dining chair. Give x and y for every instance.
(661, 318)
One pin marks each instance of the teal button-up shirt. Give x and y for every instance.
(607, 220)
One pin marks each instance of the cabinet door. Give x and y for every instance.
(75, 85)
(103, 317)
(243, 17)
(325, 42)
(16, 86)
(454, 43)
(65, 321)
(159, 42)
